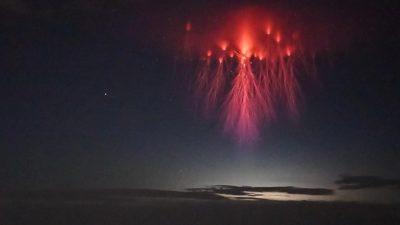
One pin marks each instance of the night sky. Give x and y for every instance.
(91, 99)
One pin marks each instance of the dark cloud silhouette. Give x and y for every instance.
(208, 193)
(243, 190)
(363, 182)
(104, 194)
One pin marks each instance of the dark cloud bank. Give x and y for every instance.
(364, 182)
(215, 192)
(207, 193)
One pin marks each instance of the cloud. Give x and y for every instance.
(104, 194)
(206, 193)
(363, 182)
(256, 191)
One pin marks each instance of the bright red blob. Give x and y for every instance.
(247, 71)
(188, 26)
(223, 45)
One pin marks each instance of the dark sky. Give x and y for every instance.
(59, 129)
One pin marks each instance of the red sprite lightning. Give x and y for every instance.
(247, 69)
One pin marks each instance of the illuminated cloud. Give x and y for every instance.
(255, 191)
